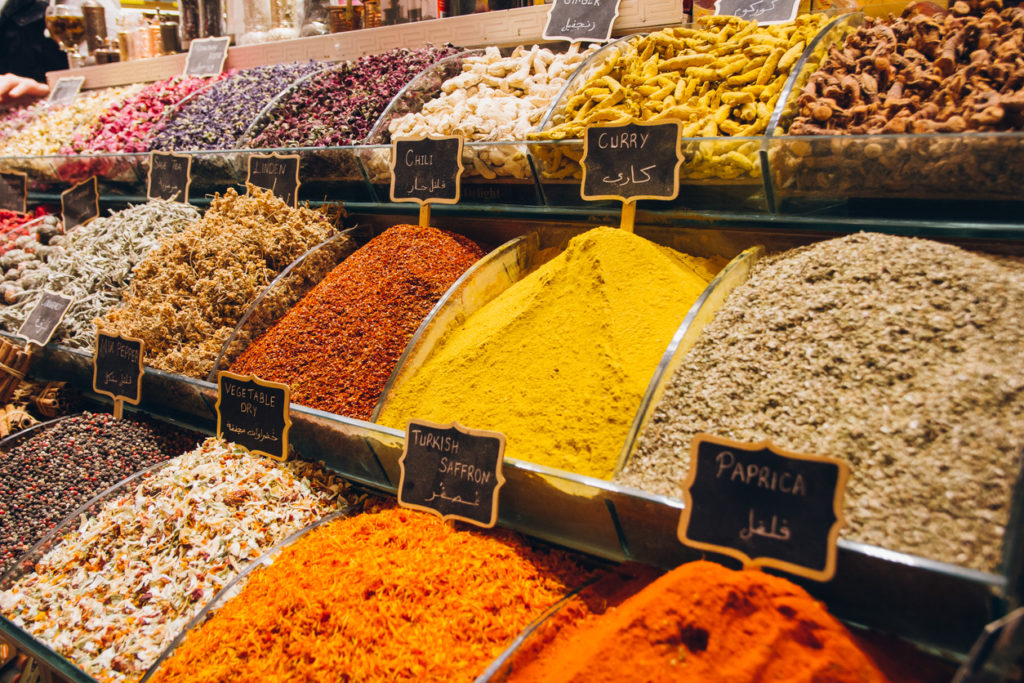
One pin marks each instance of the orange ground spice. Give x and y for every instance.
(387, 595)
(704, 622)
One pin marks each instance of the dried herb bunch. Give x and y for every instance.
(189, 293)
(900, 356)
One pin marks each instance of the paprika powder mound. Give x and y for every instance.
(705, 622)
(388, 595)
(337, 347)
(560, 361)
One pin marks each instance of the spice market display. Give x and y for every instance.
(187, 295)
(593, 321)
(337, 347)
(94, 267)
(52, 472)
(148, 560)
(897, 354)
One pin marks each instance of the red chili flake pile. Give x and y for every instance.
(337, 347)
(127, 126)
(12, 222)
(386, 596)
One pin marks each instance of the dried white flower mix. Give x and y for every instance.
(901, 356)
(115, 591)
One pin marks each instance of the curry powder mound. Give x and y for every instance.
(559, 361)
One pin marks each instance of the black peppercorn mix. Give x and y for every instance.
(49, 475)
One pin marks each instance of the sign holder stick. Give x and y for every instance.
(628, 216)
(424, 215)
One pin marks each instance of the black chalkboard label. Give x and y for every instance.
(206, 56)
(427, 169)
(14, 192)
(117, 367)
(763, 11)
(253, 413)
(576, 20)
(44, 319)
(278, 173)
(452, 471)
(80, 204)
(170, 176)
(65, 90)
(764, 505)
(631, 161)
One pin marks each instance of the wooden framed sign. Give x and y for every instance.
(80, 204)
(206, 56)
(65, 90)
(117, 369)
(170, 176)
(764, 505)
(581, 20)
(427, 170)
(44, 319)
(629, 162)
(14, 191)
(254, 414)
(764, 12)
(452, 471)
(278, 173)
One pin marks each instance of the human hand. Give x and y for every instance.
(14, 88)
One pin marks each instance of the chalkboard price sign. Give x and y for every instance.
(254, 414)
(117, 369)
(278, 173)
(579, 20)
(206, 56)
(80, 204)
(763, 11)
(764, 505)
(14, 192)
(452, 471)
(65, 90)
(44, 319)
(632, 161)
(170, 176)
(427, 169)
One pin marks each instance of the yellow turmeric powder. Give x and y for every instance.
(559, 361)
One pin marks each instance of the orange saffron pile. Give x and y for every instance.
(386, 595)
(703, 622)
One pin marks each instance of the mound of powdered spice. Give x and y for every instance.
(127, 126)
(340, 106)
(337, 347)
(191, 290)
(96, 266)
(704, 622)
(383, 596)
(117, 588)
(592, 322)
(51, 473)
(218, 118)
(900, 356)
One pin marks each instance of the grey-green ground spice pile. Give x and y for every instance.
(901, 356)
(96, 267)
